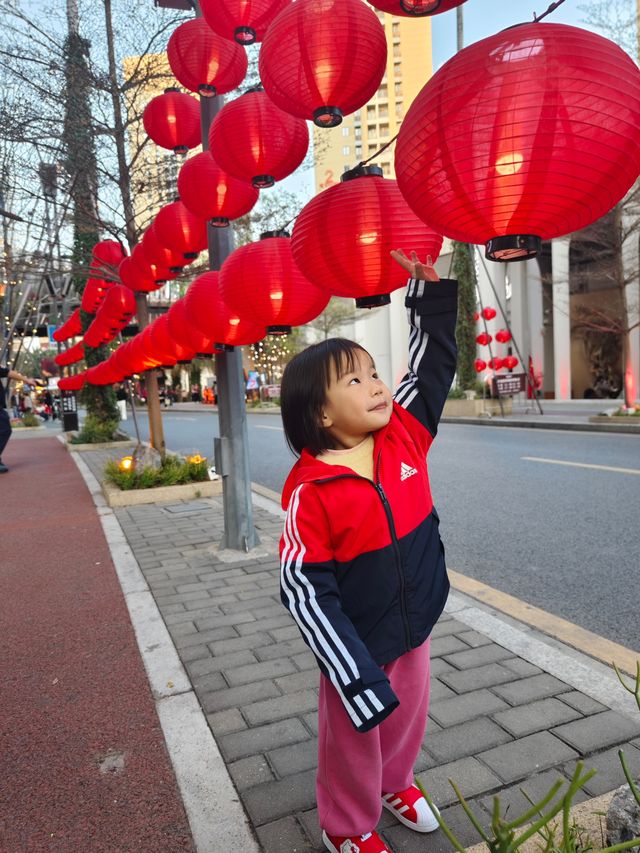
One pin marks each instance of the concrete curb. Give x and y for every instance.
(561, 425)
(160, 494)
(216, 817)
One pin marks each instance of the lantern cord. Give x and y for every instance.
(379, 151)
(515, 344)
(551, 9)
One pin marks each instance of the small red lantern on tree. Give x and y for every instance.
(416, 8)
(480, 365)
(496, 363)
(172, 121)
(208, 311)
(239, 20)
(180, 230)
(71, 355)
(107, 255)
(524, 136)
(253, 140)
(503, 336)
(322, 60)
(203, 61)
(94, 292)
(353, 226)
(280, 297)
(70, 328)
(488, 313)
(510, 362)
(484, 339)
(209, 192)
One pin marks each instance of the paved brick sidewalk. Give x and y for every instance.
(498, 722)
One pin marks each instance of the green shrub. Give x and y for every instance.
(173, 471)
(96, 431)
(456, 394)
(30, 420)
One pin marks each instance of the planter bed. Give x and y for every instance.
(161, 494)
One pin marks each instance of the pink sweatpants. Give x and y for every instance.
(355, 768)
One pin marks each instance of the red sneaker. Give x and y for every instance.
(411, 809)
(369, 843)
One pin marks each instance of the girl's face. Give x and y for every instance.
(357, 403)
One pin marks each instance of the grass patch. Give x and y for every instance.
(173, 472)
(95, 431)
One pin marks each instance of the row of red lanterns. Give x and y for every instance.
(509, 362)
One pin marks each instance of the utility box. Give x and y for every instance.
(69, 411)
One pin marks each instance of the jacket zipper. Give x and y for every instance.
(394, 539)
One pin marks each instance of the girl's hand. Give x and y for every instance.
(414, 265)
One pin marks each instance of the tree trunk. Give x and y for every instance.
(464, 272)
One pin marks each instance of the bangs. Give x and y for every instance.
(342, 359)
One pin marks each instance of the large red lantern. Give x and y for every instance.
(149, 268)
(172, 120)
(70, 328)
(180, 230)
(209, 192)
(203, 61)
(164, 343)
(72, 383)
(107, 255)
(239, 20)
(135, 279)
(118, 308)
(416, 8)
(280, 296)
(353, 226)
(208, 311)
(94, 292)
(104, 373)
(527, 135)
(254, 140)
(159, 254)
(183, 331)
(71, 355)
(161, 348)
(323, 59)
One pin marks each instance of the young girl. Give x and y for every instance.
(362, 565)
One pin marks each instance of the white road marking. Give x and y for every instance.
(178, 417)
(264, 426)
(582, 465)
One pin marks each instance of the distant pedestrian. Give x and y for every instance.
(121, 399)
(362, 565)
(5, 421)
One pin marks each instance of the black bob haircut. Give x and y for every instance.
(303, 391)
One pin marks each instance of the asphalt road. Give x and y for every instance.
(562, 537)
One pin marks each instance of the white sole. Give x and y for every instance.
(328, 844)
(410, 823)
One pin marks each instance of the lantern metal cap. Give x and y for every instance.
(278, 330)
(512, 247)
(219, 222)
(244, 35)
(257, 88)
(224, 347)
(327, 116)
(279, 233)
(420, 9)
(190, 256)
(361, 171)
(207, 90)
(262, 182)
(375, 301)
(171, 89)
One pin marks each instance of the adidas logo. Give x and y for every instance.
(407, 471)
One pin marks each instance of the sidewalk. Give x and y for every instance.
(510, 708)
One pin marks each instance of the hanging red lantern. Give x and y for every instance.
(239, 20)
(107, 255)
(209, 192)
(480, 365)
(484, 339)
(132, 277)
(72, 383)
(180, 230)
(496, 363)
(71, 328)
(488, 313)
(118, 308)
(322, 60)
(185, 333)
(162, 255)
(281, 296)
(161, 348)
(203, 61)
(503, 336)
(163, 341)
(254, 140)
(416, 8)
(71, 355)
(476, 316)
(208, 311)
(140, 355)
(510, 362)
(172, 121)
(94, 292)
(354, 225)
(96, 334)
(150, 269)
(524, 136)
(102, 374)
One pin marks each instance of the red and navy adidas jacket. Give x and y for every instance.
(362, 564)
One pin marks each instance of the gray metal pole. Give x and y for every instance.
(231, 452)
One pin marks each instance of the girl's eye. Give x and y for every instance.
(375, 375)
(355, 379)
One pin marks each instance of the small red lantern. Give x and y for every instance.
(161, 255)
(172, 121)
(322, 60)
(71, 355)
(94, 292)
(72, 383)
(496, 363)
(488, 313)
(203, 61)
(180, 230)
(280, 297)
(107, 255)
(476, 316)
(207, 191)
(70, 328)
(207, 310)
(480, 365)
(510, 362)
(133, 277)
(354, 225)
(484, 339)
(503, 336)
(521, 137)
(254, 140)
(239, 20)
(416, 8)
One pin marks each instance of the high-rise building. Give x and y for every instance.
(362, 133)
